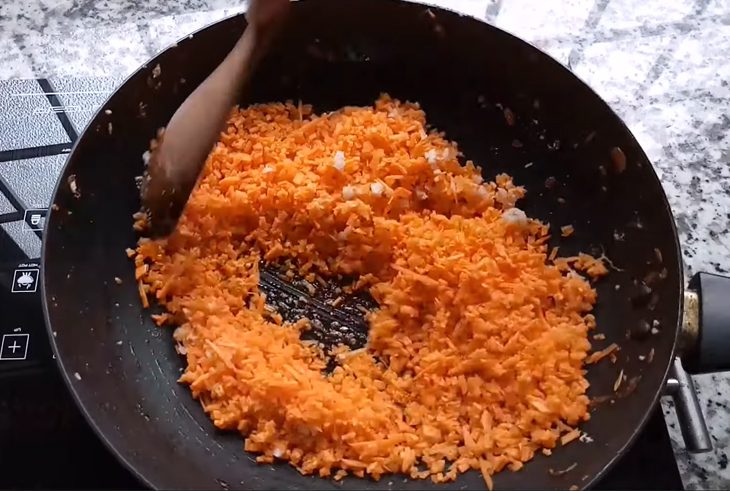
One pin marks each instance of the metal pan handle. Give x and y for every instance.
(704, 346)
(689, 414)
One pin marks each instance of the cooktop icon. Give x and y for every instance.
(14, 346)
(25, 280)
(35, 219)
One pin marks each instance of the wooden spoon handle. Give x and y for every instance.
(181, 150)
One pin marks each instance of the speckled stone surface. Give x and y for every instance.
(662, 65)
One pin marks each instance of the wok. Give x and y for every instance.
(122, 370)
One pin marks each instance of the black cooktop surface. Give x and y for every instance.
(44, 441)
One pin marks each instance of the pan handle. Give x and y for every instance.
(704, 345)
(705, 341)
(689, 414)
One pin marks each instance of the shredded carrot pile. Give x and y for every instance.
(475, 355)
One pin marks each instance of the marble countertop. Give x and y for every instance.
(661, 65)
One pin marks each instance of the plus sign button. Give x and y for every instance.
(14, 346)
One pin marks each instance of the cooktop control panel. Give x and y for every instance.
(40, 121)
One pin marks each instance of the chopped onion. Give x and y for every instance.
(514, 216)
(502, 197)
(348, 192)
(431, 157)
(377, 189)
(339, 162)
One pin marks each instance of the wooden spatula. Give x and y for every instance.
(181, 149)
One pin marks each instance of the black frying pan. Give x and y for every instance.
(122, 369)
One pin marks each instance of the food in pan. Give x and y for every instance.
(475, 356)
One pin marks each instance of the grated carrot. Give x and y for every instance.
(475, 356)
(553, 254)
(597, 356)
(570, 436)
(487, 474)
(140, 271)
(161, 319)
(593, 266)
(142, 294)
